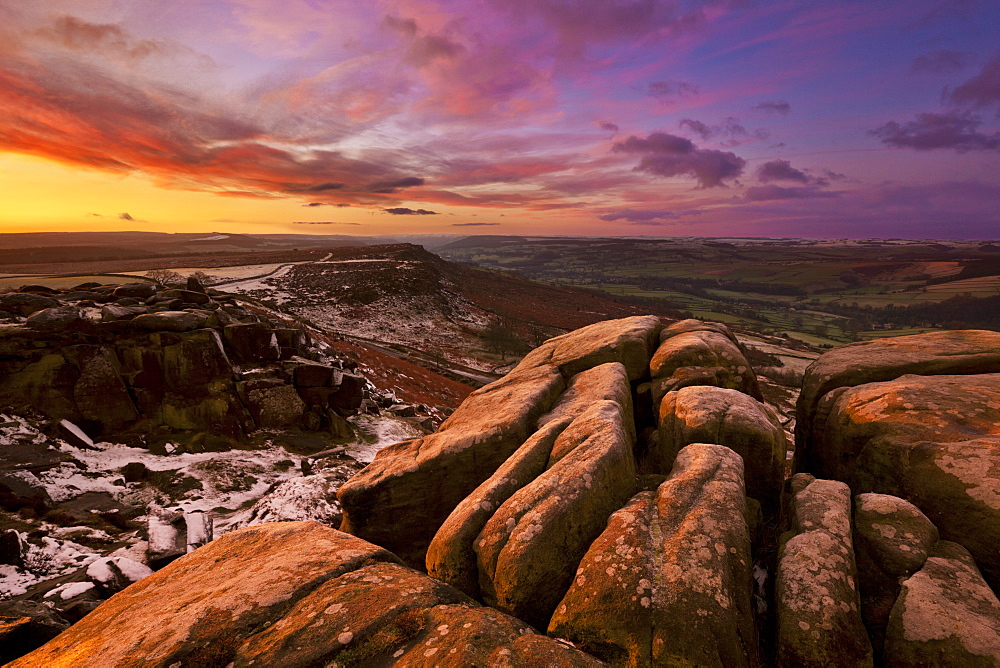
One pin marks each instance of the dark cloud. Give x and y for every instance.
(671, 91)
(981, 90)
(404, 211)
(831, 175)
(938, 62)
(125, 216)
(640, 216)
(771, 193)
(321, 222)
(608, 126)
(386, 187)
(781, 170)
(954, 130)
(780, 107)
(316, 204)
(322, 187)
(670, 155)
(706, 131)
(405, 26)
(730, 128)
(472, 224)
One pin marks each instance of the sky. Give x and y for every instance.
(766, 118)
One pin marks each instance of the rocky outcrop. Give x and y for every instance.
(945, 615)
(296, 594)
(528, 551)
(931, 439)
(416, 484)
(726, 417)
(816, 594)
(892, 540)
(668, 581)
(168, 367)
(937, 353)
(695, 353)
(629, 341)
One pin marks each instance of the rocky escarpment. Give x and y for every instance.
(621, 491)
(151, 365)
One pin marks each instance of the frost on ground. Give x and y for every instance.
(233, 489)
(378, 431)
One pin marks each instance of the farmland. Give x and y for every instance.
(820, 292)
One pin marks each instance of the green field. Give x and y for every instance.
(824, 293)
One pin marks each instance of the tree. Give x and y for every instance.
(165, 276)
(501, 338)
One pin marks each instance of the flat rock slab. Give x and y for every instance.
(936, 353)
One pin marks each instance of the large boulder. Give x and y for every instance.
(252, 342)
(630, 341)
(403, 497)
(726, 417)
(933, 440)
(58, 320)
(606, 382)
(936, 353)
(701, 357)
(294, 594)
(945, 615)
(24, 304)
(142, 290)
(528, 551)
(816, 595)
(450, 556)
(892, 540)
(668, 582)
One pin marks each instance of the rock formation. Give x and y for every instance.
(620, 491)
(296, 594)
(193, 367)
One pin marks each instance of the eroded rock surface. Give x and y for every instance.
(726, 417)
(892, 540)
(528, 551)
(294, 594)
(945, 615)
(668, 581)
(816, 594)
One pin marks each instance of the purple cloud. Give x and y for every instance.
(772, 193)
(929, 131)
(781, 170)
(472, 224)
(670, 155)
(780, 107)
(640, 216)
(608, 126)
(671, 91)
(938, 62)
(981, 90)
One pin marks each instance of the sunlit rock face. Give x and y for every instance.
(620, 498)
(916, 417)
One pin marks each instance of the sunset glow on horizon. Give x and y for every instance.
(556, 117)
